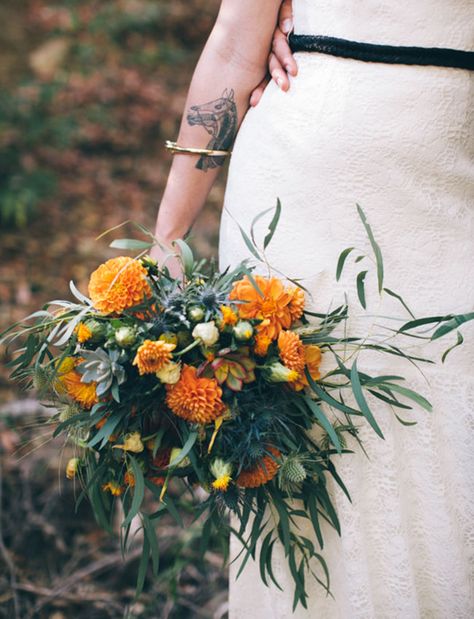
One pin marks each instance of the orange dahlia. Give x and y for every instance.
(118, 284)
(292, 351)
(71, 381)
(262, 472)
(273, 308)
(152, 356)
(196, 399)
(312, 354)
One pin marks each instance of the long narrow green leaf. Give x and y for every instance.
(375, 247)
(361, 401)
(459, 341)
(324, 422)
(341, 261)
(149, 531)
(131, 244)
(142, 568)
(254, 221)
(452, 325)
(409, 393)
(361, 288)
(273, 224)
(138, 491)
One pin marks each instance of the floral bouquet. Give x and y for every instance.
(211, 382)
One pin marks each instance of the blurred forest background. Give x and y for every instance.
(89, 91)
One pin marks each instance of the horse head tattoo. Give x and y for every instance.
(219, 119)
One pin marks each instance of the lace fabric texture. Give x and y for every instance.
(397, 140)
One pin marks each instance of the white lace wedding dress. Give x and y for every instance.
(399, 141)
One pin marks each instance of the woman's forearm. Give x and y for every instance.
(233, 62)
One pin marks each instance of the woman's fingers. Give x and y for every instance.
(278, 73)
(258, 92)
(282, 51)
(285, 19)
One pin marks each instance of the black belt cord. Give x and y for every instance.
(370, 52)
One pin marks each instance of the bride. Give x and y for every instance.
(379, 124)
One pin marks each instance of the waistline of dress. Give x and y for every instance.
(391, 54)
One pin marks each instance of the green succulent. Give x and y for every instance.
(103, 367)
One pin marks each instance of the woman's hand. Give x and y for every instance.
(281, 62)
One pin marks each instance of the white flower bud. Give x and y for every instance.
(243, 330)
(125, 337)
(207, 332)
(279, 373)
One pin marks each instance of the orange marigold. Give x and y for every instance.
(297, 302)
(272, 308)
(292, 351)
(262, 472)
(70, 380)
(262, 342)
(196, 399)
(152, 356)
(118, 284)
(312, 354)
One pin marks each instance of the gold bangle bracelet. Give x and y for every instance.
(174, 148)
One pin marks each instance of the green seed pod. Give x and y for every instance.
(97, 329)
(293, 471)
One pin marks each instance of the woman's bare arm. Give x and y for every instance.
(232, 64)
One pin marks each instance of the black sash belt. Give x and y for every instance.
(370, 52)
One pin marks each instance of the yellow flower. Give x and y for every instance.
(261, 473)
(222, 472)
(222, 483)
(132, 442)
(70, 380)
(152, 356)
(118, 284)
(113, 487)
(196, 399)
(71, 468)
(83, 333)
(229, 317)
